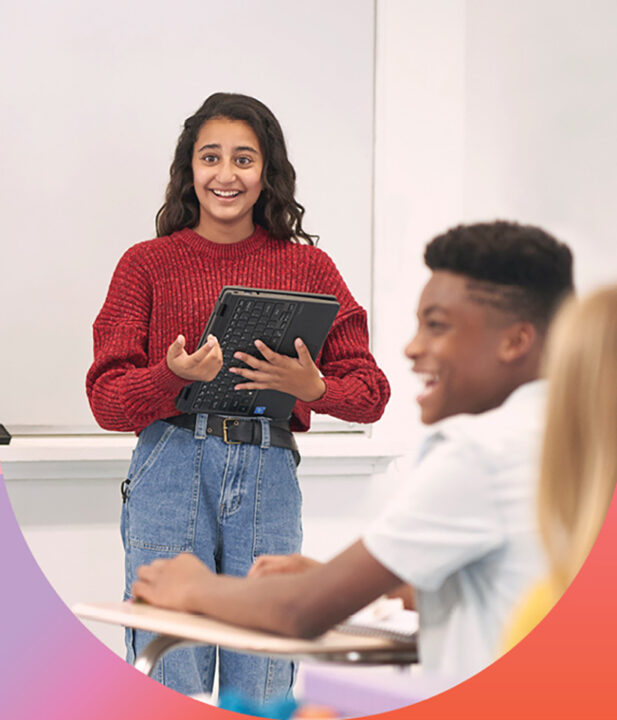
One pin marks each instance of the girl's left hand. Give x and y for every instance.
(296, 376)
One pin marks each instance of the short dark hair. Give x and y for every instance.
(518, 269)
(276, 208)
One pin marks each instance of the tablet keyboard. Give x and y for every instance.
(252, 320)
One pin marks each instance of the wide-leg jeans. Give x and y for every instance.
(191, 492)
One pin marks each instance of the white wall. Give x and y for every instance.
(420, 106)
(540, 119)
(483, 109)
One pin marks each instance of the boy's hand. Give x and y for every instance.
(407, 594)
(276, 564)
(177, 584)
(203, 364)
(296, 376)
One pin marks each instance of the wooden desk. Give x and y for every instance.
(176, 629)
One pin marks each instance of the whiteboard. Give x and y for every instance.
(95, 96)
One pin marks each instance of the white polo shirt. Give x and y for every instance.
(463, 530)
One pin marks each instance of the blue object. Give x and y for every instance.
(178, 502)
(259, 410)
(281, 709)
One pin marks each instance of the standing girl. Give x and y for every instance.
(229, 218)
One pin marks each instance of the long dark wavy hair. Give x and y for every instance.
(276, 209)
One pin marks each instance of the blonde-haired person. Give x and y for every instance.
(578, 469)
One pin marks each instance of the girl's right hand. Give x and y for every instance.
(203, 364)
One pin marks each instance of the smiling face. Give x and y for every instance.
(227, 167)
(457, 351)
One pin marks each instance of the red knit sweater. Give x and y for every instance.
(169, 285)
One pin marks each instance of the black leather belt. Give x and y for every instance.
(240, 430)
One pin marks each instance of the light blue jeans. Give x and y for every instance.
(227, 504)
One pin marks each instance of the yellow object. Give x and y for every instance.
(534, 607)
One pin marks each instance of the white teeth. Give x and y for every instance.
(428, 378)
(226, 193)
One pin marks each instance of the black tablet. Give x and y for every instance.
(241, 316)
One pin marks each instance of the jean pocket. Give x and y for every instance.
(278, 505)
(292, 464)
(164, 495)
(150, 444)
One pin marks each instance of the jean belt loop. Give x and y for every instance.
(201, 424)
(265, 433)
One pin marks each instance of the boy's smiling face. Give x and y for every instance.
(456, 350)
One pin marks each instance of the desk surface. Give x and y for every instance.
(200, 629)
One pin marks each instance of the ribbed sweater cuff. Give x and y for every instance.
(333, 397)
(165, 380)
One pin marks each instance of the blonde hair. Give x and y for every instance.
(579, 457)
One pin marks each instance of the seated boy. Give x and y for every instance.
(462, 532)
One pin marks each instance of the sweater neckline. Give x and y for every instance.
(224, 251)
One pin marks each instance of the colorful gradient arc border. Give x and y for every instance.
(52, 668)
